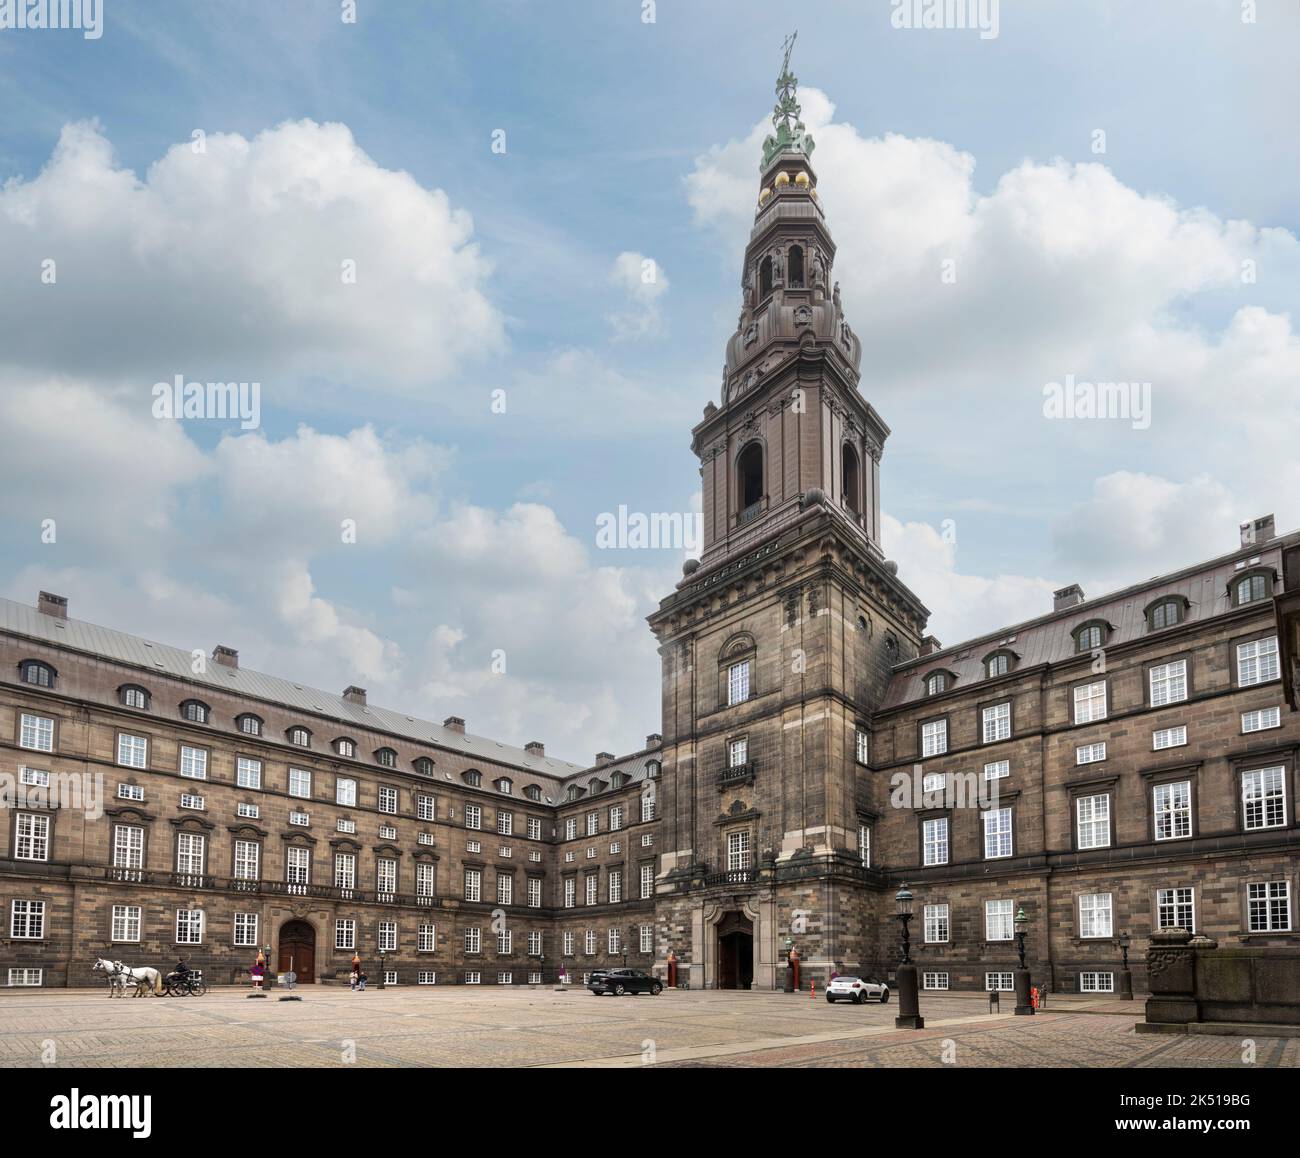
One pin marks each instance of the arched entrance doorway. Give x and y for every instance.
(735, 952)
(298, 951)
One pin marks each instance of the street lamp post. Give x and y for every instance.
(1126, 974)
(909, 1006)
(627, 937)
(381, 969)
(1024, 1006)
(789, 966)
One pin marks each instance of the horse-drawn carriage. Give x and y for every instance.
(148, 980)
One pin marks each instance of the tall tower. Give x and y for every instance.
(778, 643)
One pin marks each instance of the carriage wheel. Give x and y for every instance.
(199, 988)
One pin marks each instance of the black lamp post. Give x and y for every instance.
(909, 1006)
(1024, 1006)
(626, 939)
(381, 969)
(1126, 974)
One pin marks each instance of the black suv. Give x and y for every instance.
(621, 981)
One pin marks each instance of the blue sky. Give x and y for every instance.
(486, 271)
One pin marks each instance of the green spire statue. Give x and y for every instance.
(790, 131)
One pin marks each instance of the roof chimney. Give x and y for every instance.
(603, 758)
(1258, 531)
(929, 645)
(653, 740)
(225, 656)
(1070, 596)
(535, 748)
(355, 695)
(454, 724)
(56, 605)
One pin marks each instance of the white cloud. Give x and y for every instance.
(644, 282)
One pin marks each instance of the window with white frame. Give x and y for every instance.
(192, 800)
(997, 770)
(534, 892)
(388, 799)
(936, 923)
(1095, 915)
(997, 832)
(246, 929)
(473, 884)
(345, 792)
(248, 773)
(615, 886)
(1092, 815)
(1090, 702)
(425, 808)
(426, 977)
(505, 823)
(616, 818)
(934, 840)
(427, 939)
(862, 746)
(130, 791)
(998, 920)
(1168, 682)
(474, 940)
(997, 723)
(999, 982)
(504, 978)
(1268, 906)
(126, 923)
(593, 887)
(299, 818)
(934, 738)
(738, 752)
(1095, 982)
(36, 733)
(936, 683)
(424, 878)
(27, 920)
(297, 865)
(128, 846)
(934, 980)
(386, 875)
(473, 846)
(933, 782)
(132, 751)
(570, 892)
(864, 845)
(647, 938)
(299, 782)
(346, 748)
(534, 943)
(738, 682)
(1172, 805)
(647, 807)
(189, 926)
(1261, 719)
(32, 833)
(1090, 753)
(593, 823)
(571, 828)
(345, 870)
(20, 977)
(190, 847)
(248, 858)
(299, 737)
(473, 817)
(738, 850)
(568, 944)
(388, 936)
(423, 838)
(1263, 798)
(533, 829)
(345, 934)
(614, 942)
(1176, 908)
(647, 839)
(505, 889)
(1257, 662)
(194, 763)
(590, 942)
(1169, 737)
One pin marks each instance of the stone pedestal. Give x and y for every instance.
(1171, 977)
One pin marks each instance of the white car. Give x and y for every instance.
(857, 989)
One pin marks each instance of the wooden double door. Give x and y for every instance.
(298, 951)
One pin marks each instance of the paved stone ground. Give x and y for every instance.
(467, 1027)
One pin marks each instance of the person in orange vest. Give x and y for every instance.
(1033, 996)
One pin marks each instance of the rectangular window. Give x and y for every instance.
(428, 939)
(534, 828)
(1090, 702)
(571, 828)
(386, 875)
(246, 929)
(1096, 982)
(934, 834)
(934, 981)
(132, 751)
(424, 878)
(997, 770)
(37, 733)
(570, 892)
(1261, 720)
(426, 977)
(474, 940)
(345, 934)
(999, 982)
(997, 832)
(1176, 909)
(593, 823)
(345, 792)
(647, 807)
(189, 926)
(473, 846)
(345, 870)
(934, 738)
(473, 977)
(534, 943)
(1092, 814)
(1173, 810)
(738, 682)
(388, 800)
(647, 938)
(738, 851)
(248, 773)
(194, 763)
(130, 791)
(473, 885)
(1169, 737)
(1168, 683)
(647, 881)
(615, 886)
(128, 846)
(534, 892)
(505, 823)
(616, 818)
(34, 777)
(25, 977)
(1268, 905)
(299, 783)
(190, 800)
(1095, 915)
(27, 920)
(126, 923)
(473, 817)
(33, 837)
(425, 808)
(862, 746)
(1257, 662)
(936, 923)
(998, 920)
(297, 867)
(1090, 753)
(593, 884)
(247, 860)
(190, 847)
(1263, 798)
(505, 889)
(388, 936)
(505, 978)
(738, 752)
(864, 845)
(612, 940)
(568, 944)
(590, 942)
(997, 723)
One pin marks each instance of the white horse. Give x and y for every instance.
(146, 979)
(113, 974)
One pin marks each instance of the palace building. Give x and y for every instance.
(1115, 765)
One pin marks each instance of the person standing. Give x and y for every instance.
(356, 970)
(258, 971)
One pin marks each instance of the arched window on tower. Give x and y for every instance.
(749, 481)
(796, 267)
(852, 480)
(764, 279)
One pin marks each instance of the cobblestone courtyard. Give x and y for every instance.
(539, 1027)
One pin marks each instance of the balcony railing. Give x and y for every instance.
(245, 885)
(737, 774)
(743, 876)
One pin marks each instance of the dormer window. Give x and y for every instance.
(346, 748)
(1165, 613)
(195, 711)
(997, 664)
(652, 769)
(423, 765)
(504, 786)
(1090, 636)
(38, 674)
(386, 757)
(474, 779)
(533, 792)
(616, 781)
(936, 682)
(134, 696)
(572, 793)
(249, 725)
(299, 737)
(1252, 588)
